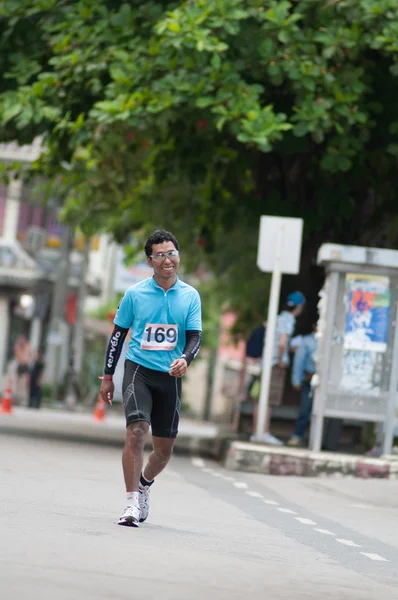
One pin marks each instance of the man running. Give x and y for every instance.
(164, 314)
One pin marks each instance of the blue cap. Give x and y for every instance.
(295, 299)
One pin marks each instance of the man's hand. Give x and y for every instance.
(297, 388)
(178, 367)
(281, 365)
(107, 390)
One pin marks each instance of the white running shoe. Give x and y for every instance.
(271, 440)
(130, 517)
(144, 491)
(267, 438)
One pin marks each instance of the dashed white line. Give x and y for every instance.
(198, 462)
(325, 532)
(374, 557)
(254, 494)
(241, 485)
(305, 521)
(348, 543)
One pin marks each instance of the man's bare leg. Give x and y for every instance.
(157, 461)
(159, 457)
(133, 454)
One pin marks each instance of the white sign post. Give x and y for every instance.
(279, 250)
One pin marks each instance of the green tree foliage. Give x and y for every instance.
(202, 115)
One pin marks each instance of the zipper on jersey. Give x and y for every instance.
(164, 309)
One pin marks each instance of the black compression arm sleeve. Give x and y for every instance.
(192, 345)
(114, 349)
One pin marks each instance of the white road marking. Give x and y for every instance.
(325, 531)
(374, 557)
(200, 464)
(348, 543)
(254, 494)
(241, 485)
(305, 521)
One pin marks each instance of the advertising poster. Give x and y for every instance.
(366, 332)
(368, 312)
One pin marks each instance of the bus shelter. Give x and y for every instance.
(357, 356)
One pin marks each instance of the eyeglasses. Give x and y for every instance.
(161, 256)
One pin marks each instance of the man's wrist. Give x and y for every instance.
(185, 358)
(106, 377)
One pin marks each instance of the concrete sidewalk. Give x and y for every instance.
(194, 436)
(213, 440)
(271, 460)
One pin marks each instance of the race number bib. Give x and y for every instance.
(159, 337)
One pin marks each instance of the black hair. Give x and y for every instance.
(158, 237)
(288, 307)
(310, 322)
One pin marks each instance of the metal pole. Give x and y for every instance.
(60, 290)
(5, 326)
(269, 338)
(78, 344)
(35, 333)
(325, 362)
(77, 335)
(392, 396)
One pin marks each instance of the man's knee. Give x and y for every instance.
(136, 435)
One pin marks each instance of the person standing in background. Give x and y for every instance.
(35, 380)
(23, 357)
(285, 326)
(303, 371)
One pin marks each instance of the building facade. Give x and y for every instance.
(30, 253)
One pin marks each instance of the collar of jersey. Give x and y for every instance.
(157, 286)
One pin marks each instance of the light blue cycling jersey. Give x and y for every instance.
(158, 321)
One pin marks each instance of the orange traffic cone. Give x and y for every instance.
(99, 413)
(6, 402)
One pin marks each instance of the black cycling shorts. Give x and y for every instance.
(152, 396)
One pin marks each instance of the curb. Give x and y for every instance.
(195, 437)
(256, 458)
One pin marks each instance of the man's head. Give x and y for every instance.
(295, 303)
(162, 251)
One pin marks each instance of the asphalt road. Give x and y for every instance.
(211, 533)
